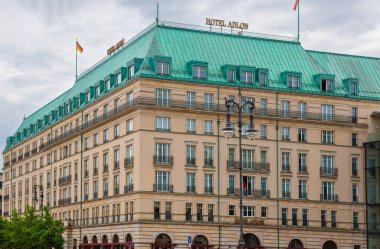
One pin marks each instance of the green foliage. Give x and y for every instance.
(31, 231)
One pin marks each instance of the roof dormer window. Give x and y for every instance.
(107, 85)
(118, 78)
(353, 88)
(97, 91)
(246, 77)
(199, 72)
(327, 85)
(131, 71)
(162, 68)
(231, 75)
(88, 96)
(293, 82)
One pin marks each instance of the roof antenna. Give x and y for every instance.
(157, 14)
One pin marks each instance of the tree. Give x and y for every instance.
(31, 231)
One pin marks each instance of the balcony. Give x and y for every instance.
(26, 154)
(64, 180)
(163, 129)
(262, 193)
(95, 195)
(6, 164)
(163, 187)
(128, 162)
(86, 174)
(328, 173)
(128, 188)
(302, 170)
(329, 197)
(209, 190)
(162, 160)
(86, 197)
(286, 194)
(248, 166)
(233, 191)
(116, 165)
(190, 161)
(65, 201)
(20, 157)
(190, 189)
(105, 168)
(6, 197)
(34, 151)
(14, 160)
(208, 163)
(355, 198)
(302, 196)
(116, 191)
(105, 193)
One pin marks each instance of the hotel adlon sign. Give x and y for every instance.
(223, 23)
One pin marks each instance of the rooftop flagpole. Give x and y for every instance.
(298, 35)
(76, 59)
(157, 14)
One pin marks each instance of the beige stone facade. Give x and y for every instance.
(149, 190)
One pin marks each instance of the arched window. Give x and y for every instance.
(162, 241)
(295, 243)
(329, 245)
(94, 239)
(115, 238)
(128, 238)
(251, 240)
(85, 240)
(104, 239)
(199, 242)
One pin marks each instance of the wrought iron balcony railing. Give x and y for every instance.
(128, 188)
(329, 197)
(163, 187)
(128, 161)
(328, 172)
(163, 160)
(64, 180)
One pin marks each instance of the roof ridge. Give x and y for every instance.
(341, 54)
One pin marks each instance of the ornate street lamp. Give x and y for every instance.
(240, 104)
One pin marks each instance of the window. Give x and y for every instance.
(263, 106)
(157, 213)
(199, 212)
(188, 211)
(263, 132)
(354, 166)
(327, 86)
(162, 123)
(247, 159)
(302, 168)
(262, 78)
(105, 162)
(129, 99)
(231, 156)
(95, 186)
(294, 217)
(354, 115)
(129, 125)
(302, 109)
(231, 210)
(327, 112)
(131, 71)
(285, 161)
(285, 131)
(105, 135)
(285, 108)
(105, 187)
(302, 189)
(328, 191)
(163, 181)
(285, 188)
(96, 165)
(264, 160)
(190, 125)
(116, 131)
(190, 154)
(354, 139)
(264, 212)
(162, 68)
(118, 79)
(116, 105)
(264, 192)
(323, 218)
(302, 135)
(353, 88)
(305, 222)
(162, 153)
(107, 85)
(293, 82)
(129, 152)
(190, 99)
(209, 183)
(333, 218)
(328, 165)
(208, 127)
(88, 96)
(210, 212)
(96, 139)
(246, 108)
(231, 185)
(355, 197)
(208, 101)
(168, 210)
(116, 158)
(163, 97)
(190, 182)
(248, 185)
(208, 156)
(116, 185)
(246, 77)
(248, 211)
(129, 181)
(86, 143)
(199, 72)
(327, 137)
(231, 75)
(284, 216)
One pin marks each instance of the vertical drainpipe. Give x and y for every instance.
(277, 178)
(81, 176)
(219, 225)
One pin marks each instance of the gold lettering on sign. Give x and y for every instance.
(254, 221)
(115, 47)
(223, 23)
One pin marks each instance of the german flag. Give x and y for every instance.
(79, 48)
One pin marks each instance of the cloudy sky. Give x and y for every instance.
(37, 40)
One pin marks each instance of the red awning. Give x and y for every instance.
(162, 245)
(203, 246)
(251, 247)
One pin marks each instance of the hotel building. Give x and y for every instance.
(133, 154)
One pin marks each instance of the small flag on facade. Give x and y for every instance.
(296, 5)
(79, 48)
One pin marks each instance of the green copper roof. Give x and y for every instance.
(184, 45)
